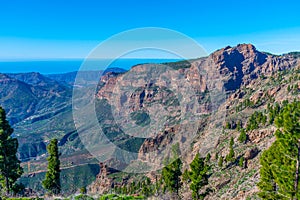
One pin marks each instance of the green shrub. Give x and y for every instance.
(83, 190)
(83, 197)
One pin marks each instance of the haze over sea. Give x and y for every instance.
(69, 65)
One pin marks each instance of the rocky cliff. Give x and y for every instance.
(216, 90)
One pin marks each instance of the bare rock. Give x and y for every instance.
(252, 153)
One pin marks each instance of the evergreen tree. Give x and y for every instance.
(145, 191)
(185, 176)
(171, 176)
(280, 164)
(228, 125)
(230, 157)
(198, 176)
(10, 169)
(243, 136)
(217, 156)
(231, 143)
(52, 179)
(208, 157)
(239, 125)
(220, 163)
(242, 162)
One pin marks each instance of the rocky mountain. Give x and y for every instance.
(145, 112)
(221, 91)
(225, 71)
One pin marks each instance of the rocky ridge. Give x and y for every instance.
(242, 73)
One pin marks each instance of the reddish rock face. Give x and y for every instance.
(238, 70)
(243, 64)
(103, 183)
(229, 68)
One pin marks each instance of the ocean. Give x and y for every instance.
(63, 66)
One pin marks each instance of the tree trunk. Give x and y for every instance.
(297, 171)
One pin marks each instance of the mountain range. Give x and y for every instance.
(39, 107)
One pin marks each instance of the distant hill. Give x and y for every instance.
(40, 106)
(294, 54)
(88, 77)
(28, 94)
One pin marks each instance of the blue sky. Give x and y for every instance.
(35, 29)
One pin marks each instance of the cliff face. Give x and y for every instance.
(103, 183)
(212, 89)
(236, 66)
(224, 71)
(243, 64)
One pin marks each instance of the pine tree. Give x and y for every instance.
(242, 162)
(10, 169)
(52, 179)
(171, 176)
(243, 136)
(230, 157)
(280, 164)
(208, 157)
(145, 190)
(228, 125)
(199, 176)
(217, 156)
(185, 176)
(231, 143)
(220, 163)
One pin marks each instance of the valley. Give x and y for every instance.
(207, 102)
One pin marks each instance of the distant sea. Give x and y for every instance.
(63, 66)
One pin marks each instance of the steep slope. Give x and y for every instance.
(39, 94)
(197, 99)
(33, 102)
(133, 93)
(251, 80)
(17, 98)
(40, 107)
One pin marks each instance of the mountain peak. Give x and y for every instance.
(238, 54)
(245, 49)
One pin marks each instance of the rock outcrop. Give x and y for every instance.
(229, 68)
(241, 72)
(103, 183)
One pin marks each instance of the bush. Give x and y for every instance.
(83, 190)
(83, 197)
(117, 197)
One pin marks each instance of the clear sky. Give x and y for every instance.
(72, 28)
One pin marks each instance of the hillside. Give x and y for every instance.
(39, 107)
(249, 81)
(144, 112)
